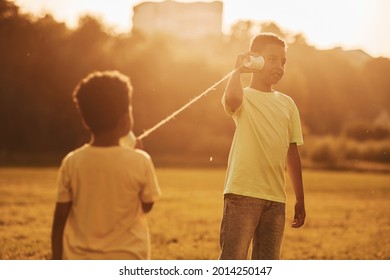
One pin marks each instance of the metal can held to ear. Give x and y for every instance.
(254, 62)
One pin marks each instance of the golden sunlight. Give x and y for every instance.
(325, 23)
(334, 96)
(117, 16)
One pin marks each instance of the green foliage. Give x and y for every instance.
(43, 60)
(325, 151)
(344, 153)
(375, 152)
(363, 131)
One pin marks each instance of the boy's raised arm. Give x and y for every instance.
(233, 92)
(60, 216)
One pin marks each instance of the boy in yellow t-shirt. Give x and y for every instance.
(104, 189)
(268, 130)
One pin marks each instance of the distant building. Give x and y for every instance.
(185, 20)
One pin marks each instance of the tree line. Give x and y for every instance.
(42, 60)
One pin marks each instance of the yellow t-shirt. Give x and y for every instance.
(266, 124)
(106, 186)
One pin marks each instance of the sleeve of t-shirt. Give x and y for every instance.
(150, 190)
(64, 193)
(295, 126)
(227, 109)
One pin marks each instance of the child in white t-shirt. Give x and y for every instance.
(104, 188)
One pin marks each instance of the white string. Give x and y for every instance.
(174, 114)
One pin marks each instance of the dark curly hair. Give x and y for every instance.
(103, 97)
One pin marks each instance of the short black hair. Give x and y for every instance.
(103, 97)
(259, 42)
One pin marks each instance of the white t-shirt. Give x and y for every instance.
(266, 124)
(106, 186)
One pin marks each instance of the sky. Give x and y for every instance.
(350, 24)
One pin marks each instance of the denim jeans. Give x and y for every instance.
(247, 219)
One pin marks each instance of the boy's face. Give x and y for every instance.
(275, 60)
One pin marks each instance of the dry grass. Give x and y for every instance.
(348, 215)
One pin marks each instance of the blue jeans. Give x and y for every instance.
(247, 219)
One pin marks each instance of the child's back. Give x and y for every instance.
(104, 189)
(107, 186)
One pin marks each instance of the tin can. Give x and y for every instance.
(254, 62)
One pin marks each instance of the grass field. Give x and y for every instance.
(348, 215)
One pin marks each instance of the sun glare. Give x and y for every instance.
(117, 17)
(325, 23)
